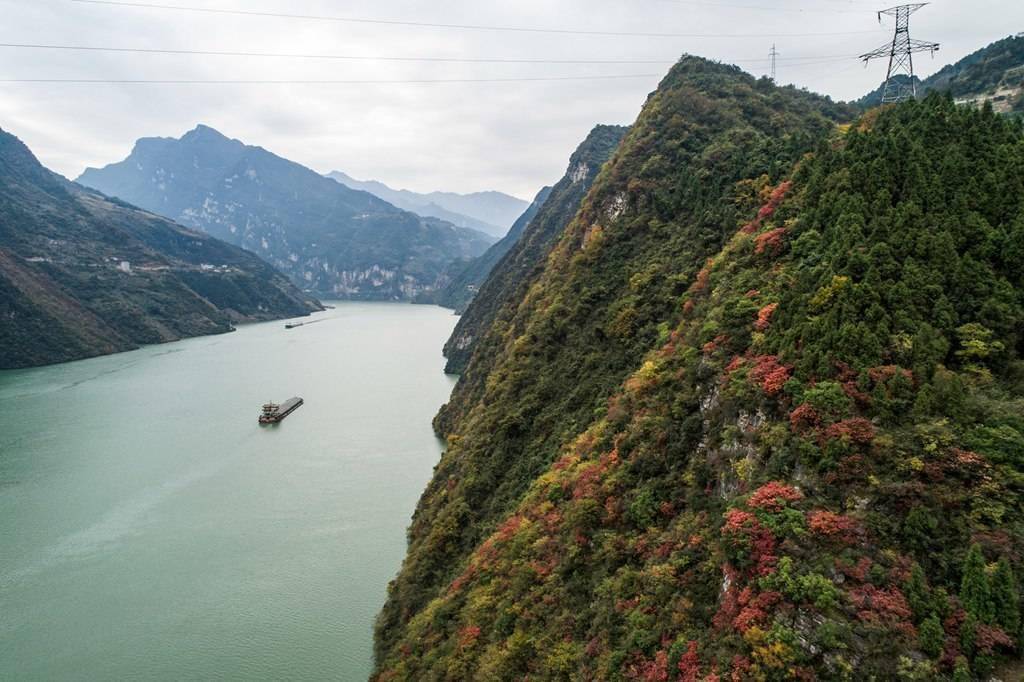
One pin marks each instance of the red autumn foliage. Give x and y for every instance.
(755, 609)
(770, 242)
(858, 571)
(773, 496)
(734, 364)
(858, 396)
(688, 306)
(987, 638)
(745, 532)
(689, 664)
(507, 529)
(768, 210)
(753, 293)
(700, 283)
(650, 670)
(833, 526)
(769, 373)
(739, 521)
(468, 636)
(741, 666)
(804, 417)
(856, 430)
(887, 607)
(880, 375)
(764, 317)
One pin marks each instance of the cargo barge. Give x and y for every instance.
(273, 413)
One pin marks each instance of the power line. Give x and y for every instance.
(456, 60)
(901, 54)
(759, 8)
(466, 27)
(212, 53)
(140, 81)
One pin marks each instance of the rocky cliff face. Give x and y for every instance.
(328, 238)
(81, 275)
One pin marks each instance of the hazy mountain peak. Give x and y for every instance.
(488, 211)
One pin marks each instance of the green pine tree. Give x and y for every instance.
(1005, 598)
(975, 591)
(917, 594)
(932, 637)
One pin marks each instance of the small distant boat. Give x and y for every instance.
(293, 325)
(273, 412)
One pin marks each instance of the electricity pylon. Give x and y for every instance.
(901, 54)
(772, 55)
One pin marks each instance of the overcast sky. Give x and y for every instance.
(510, 136)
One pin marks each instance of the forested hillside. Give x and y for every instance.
(502, 290)
(659, 209)
(760, 417)
(81, 275)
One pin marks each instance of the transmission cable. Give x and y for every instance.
(466, 27)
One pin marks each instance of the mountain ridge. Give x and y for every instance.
(488, 211)
(82, 275)
(328, 238)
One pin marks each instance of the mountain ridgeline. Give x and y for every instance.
(488, 212)
(328, 238)
(81, 275)
(521, 255)
(760, 415)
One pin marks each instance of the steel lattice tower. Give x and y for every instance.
(772, 55)
(901, 54)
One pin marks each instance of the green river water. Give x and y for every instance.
(149, 529)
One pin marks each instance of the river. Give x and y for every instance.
(149, 528)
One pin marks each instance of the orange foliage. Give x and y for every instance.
(764, 316)
(773, 496)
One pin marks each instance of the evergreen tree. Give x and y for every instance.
(932, 636)
(975, 591)
(917, 594)
(1005, 598)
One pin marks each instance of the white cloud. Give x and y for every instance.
(461, 137)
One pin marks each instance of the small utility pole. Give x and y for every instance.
(901, 54)
(772, 55)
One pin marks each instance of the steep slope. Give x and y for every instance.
(465, 278)
(815, 471)
(993, 74)
(81, 275)
(609, 291)
(501, 292)
(474, 211)
(328, 238)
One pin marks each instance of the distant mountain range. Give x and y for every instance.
(993, 74)
(464, 278)
(83, 275)
(330, 239)
(490, 212)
